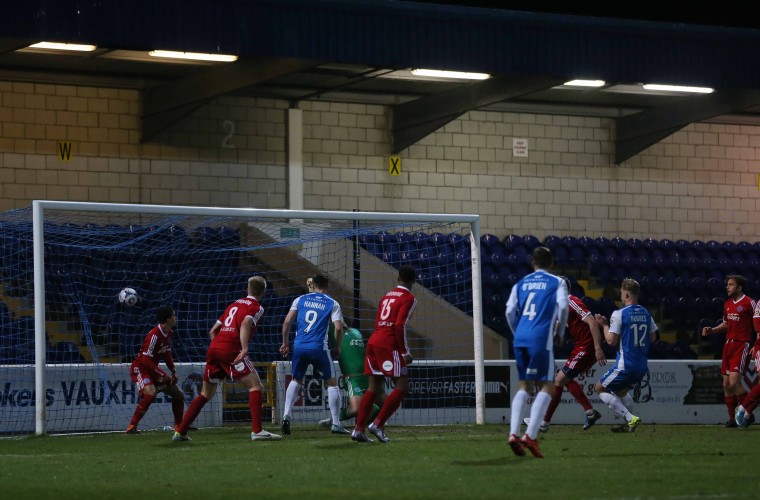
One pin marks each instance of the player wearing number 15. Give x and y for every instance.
(388, 356)
(535, 305)
(632, 329)
(227, 356)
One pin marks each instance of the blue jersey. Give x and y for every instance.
(634, 325)
(535, 305)
(316, 312)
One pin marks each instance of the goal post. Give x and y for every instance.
(197, 258)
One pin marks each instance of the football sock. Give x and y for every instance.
(365, 406)
(627, 401)
(142, 407)
(537, 412)
(518, 403)
(615, 405)
(752, 399)
(254, 404)
(731, 404)
(344, 413)
(333, 400)
(374, 412)
(192, 413)
(576, 390)
(291, 394)
(178, 406)
(556, 397)
(392, 402)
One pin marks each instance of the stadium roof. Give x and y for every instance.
(363, 51)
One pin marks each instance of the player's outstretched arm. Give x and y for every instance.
(285, 347)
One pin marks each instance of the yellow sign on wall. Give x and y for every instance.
(394, 165)
(64, 150)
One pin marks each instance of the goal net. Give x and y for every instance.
(67, 340)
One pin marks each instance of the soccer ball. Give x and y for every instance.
(128, 297)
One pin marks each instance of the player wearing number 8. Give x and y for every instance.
(314, 313)
(535, 305)
(227, 356)
(632, 329)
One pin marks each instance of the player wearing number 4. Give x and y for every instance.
(537, 302)
(632, 329)
(151, 379)
(314, 313)
(227, 356)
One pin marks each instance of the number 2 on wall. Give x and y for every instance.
(229, 126)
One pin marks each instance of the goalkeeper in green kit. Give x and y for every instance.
(352, 380)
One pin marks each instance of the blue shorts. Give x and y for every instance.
(616, 379)
(535, 364)
(320, 359)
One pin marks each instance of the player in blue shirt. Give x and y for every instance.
(315, 312)
(536, 304)
(632, 329)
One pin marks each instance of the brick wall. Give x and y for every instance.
(699, 183)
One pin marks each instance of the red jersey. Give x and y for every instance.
(737, 314)
(393, 314)
(578, 329)
(156, 347)
(228, 337)
(756, 322)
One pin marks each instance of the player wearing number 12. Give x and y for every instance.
(537, 302)
(632, 329)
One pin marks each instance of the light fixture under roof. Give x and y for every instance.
(193, 56)
(457, 75)
(584, 83)
(75, 47)
(677, 88)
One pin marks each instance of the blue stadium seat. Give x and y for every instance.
(531, 242)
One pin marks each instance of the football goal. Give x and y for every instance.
(80, 284)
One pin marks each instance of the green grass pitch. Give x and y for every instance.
(662, 461)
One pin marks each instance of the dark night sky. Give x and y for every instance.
(727, 13)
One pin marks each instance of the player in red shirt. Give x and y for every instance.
(587, 350)
(740, 335)
(388, 356)
(744, 416)
(151, 379)
(227, 356)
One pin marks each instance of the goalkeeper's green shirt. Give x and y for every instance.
(352, 351)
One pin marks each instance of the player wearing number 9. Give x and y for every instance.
(537, 302)
(314, 313)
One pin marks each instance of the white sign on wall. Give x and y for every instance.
(88, 397)
(519, 147)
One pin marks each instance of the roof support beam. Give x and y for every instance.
(416, 119)
(167, 103)
(639, 131)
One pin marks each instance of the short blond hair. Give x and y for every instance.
(631, 286)
(256, 285)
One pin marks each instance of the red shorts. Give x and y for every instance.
(580, 360)
(382, 361)
(219, 366)
(735, 357)
(144, 376)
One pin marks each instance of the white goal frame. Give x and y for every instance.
(40, 206)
